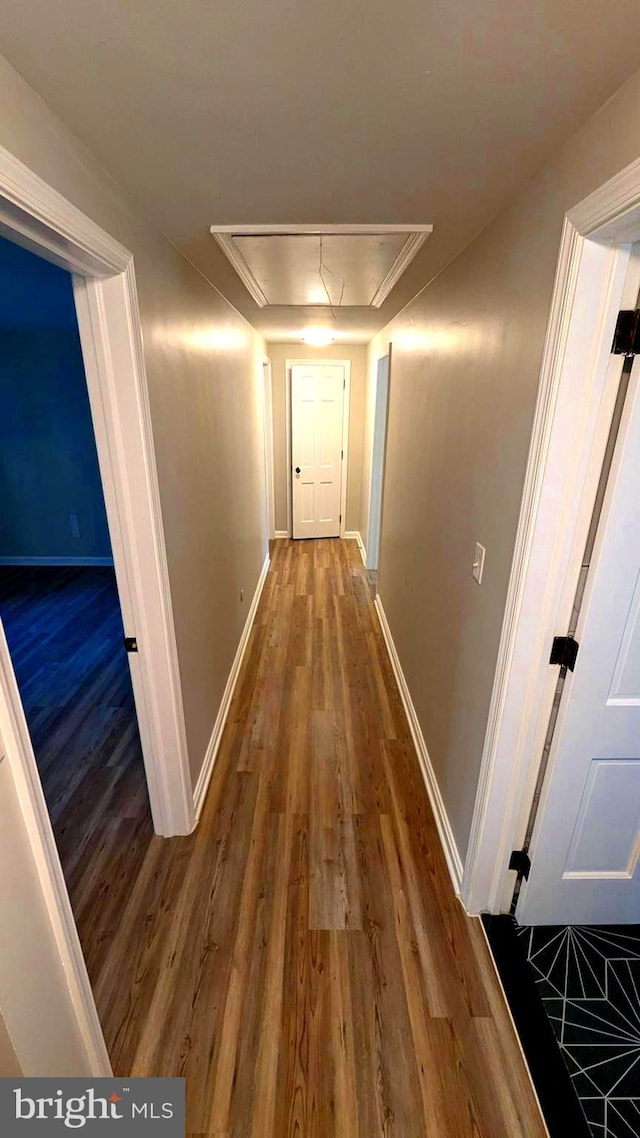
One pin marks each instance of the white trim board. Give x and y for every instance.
(354, 535)
(452, 856)
(111, 340)
(346, 364)
(379, 420)
(53, 561)
(267, 392)
(204, 778)
(578, 384)
(280, 533)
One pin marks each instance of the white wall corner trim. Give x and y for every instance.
(354, 535)
(204, 778)
(452, 856)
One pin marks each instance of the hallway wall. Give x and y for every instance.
(205, 385)
(357, 354)
(464, 377)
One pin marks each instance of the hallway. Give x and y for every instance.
(301, 958)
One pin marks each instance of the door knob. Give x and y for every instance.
(297, 469)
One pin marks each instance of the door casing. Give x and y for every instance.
(378, 453)
(575, 402)
(267, 390)
(37, 217)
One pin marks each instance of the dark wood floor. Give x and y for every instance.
(64, 630)
(301, 958)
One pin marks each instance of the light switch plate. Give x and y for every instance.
(478, 562)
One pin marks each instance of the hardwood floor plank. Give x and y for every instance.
(342, 1038)
(269, 1046)
(237, 979)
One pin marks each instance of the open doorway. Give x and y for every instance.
(41, 221)
(59, 601)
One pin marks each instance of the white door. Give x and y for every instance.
(317, 408)
(586, 843)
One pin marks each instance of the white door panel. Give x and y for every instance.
(587, 838)
(317, 409)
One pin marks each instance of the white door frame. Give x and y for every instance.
(346, 364)
(267, 387)
(578, 386)
(378, 453)
(40, 219)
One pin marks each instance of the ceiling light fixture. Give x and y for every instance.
(318, 337)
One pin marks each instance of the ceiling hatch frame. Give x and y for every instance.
(224, 234)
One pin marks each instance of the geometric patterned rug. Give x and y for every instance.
(589, 981)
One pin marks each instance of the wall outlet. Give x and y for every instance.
(478, 562)
(73, 525)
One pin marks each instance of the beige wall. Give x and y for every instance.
(203, 366)
(357, 354)
(464, 375)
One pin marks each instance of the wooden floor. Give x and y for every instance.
(301, 958)
(65, 637)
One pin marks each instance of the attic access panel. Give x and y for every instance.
(341, 269)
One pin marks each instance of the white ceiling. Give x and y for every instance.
(328, 269)
(287, 112)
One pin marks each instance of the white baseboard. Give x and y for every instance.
(56, 560)
(204, 777)
(281, 533)
(354, 535)
(454, 861)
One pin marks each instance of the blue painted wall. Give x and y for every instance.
(48, 461)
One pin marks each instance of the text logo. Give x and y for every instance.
(134, 1107)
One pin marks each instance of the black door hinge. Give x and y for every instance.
(131, 644)
(626, 338)
(564, 652)
(521, 862)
